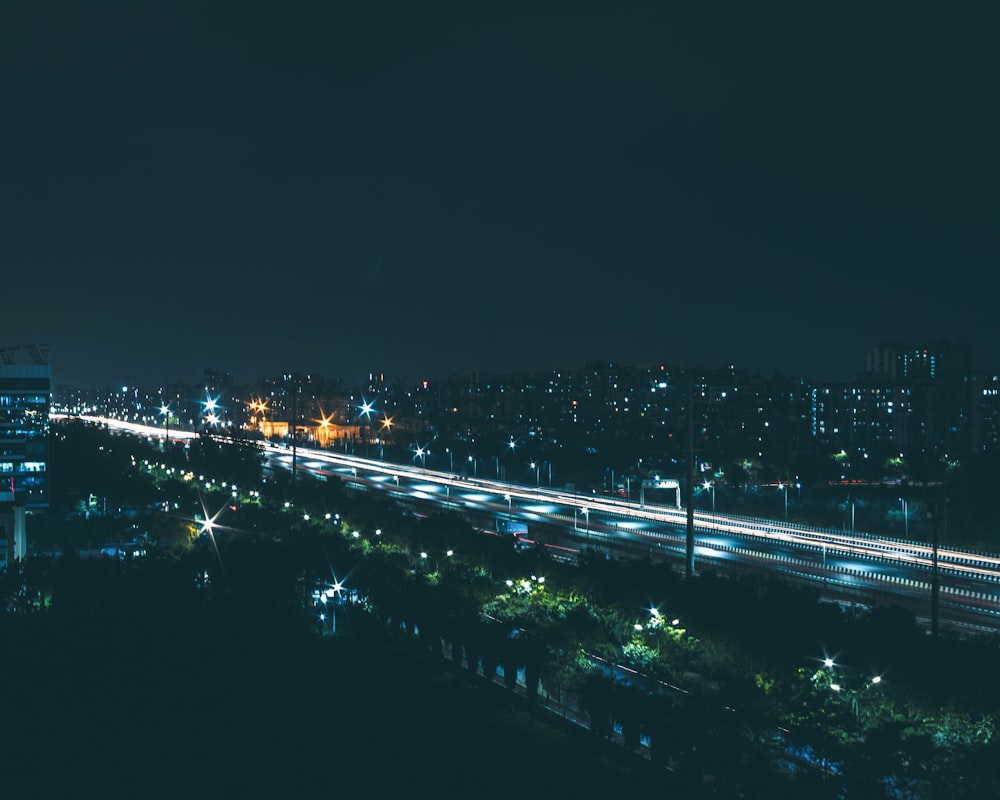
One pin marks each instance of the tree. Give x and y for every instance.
(595, 697)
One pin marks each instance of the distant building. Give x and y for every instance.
(24, 441)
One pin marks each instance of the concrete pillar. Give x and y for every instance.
(12, 528)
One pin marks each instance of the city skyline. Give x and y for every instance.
(23, 354)
(427, 190)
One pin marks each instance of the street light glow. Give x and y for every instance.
(366, 408)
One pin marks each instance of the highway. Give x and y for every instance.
(858, 567)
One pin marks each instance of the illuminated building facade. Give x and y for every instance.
(24, 443)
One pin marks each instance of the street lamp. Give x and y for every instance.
(534, 466)
(258, 406)
(475, 466)
(784, 488)
(209, 405)
(451, 459)
(424, 556)
(711, 488)
(906, 519)
(387, 424)
(324, 429)
(165, 411)
(365, 410)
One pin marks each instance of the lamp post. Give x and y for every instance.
(851, 695)
(711, 488)
(784, 488)
(165, 411)
(365, 410)
(906, 518)
(475, 466)
(209, 404)
(387, 424)
(257, 407)
(324, 431)
(512, 444)
(534, 466)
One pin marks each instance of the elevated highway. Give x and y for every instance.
(857, 567)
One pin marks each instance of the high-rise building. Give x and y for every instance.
(24, 441)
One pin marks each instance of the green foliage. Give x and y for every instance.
(639, 656)
(743, 640)
(951, 729)
(232, 462)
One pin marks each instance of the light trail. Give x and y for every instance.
(906, 555)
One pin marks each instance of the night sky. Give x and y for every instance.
(425, 188)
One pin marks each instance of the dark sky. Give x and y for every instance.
(422, 188)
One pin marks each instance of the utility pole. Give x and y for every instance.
(939, 521)
(293, 429)
(689, 561)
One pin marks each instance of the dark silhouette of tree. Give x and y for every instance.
(238, 604)
(596, 698)
(630, 705)
(234, 462)
(536, 653)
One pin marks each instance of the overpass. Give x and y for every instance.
(858, 565)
